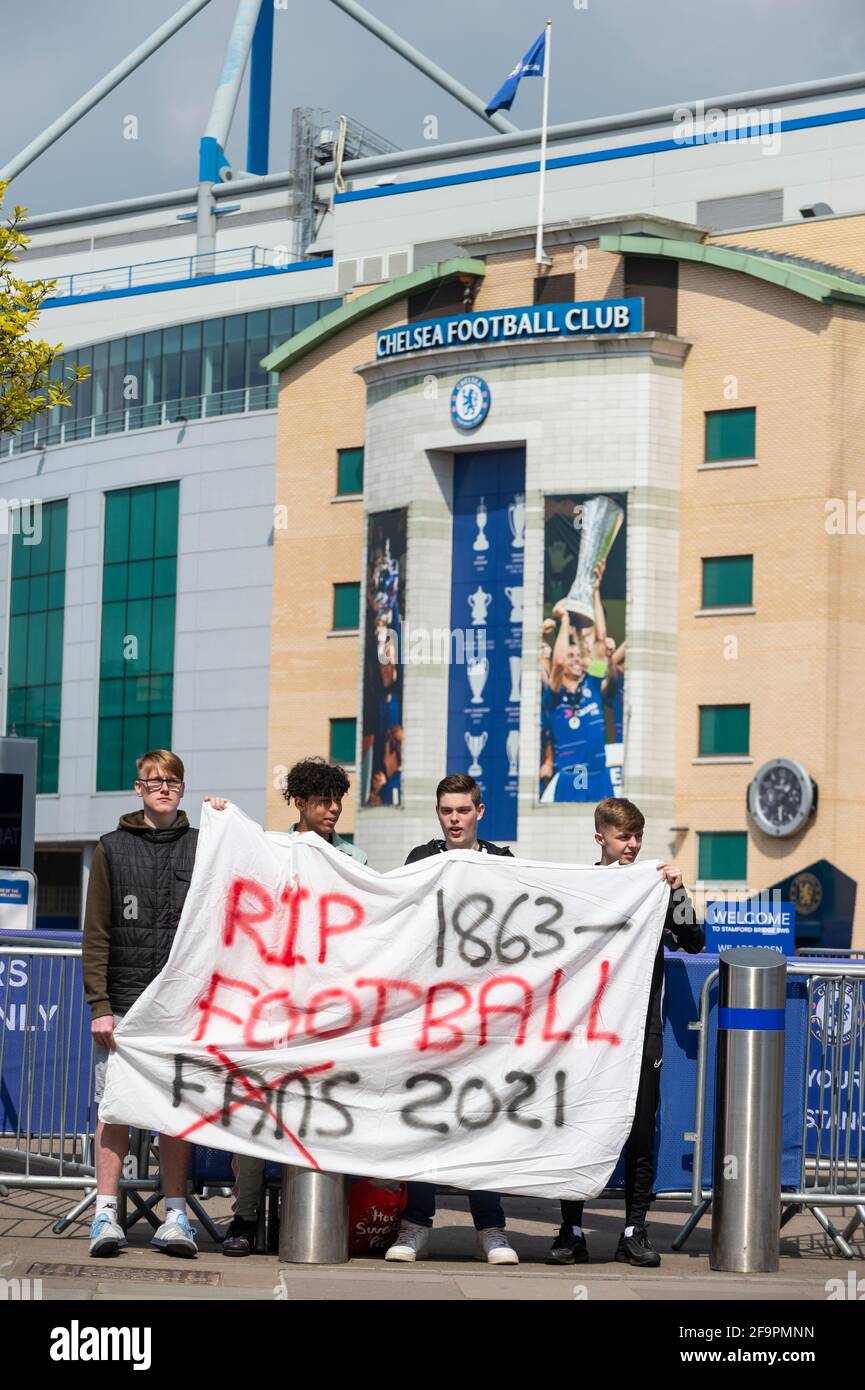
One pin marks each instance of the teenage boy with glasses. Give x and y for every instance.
(139, 878)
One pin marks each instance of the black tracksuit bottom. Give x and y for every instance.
(640, 1147)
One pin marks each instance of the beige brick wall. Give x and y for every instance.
(838, 240)
(799, 660)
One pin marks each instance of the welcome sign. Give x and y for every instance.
(512, 325)
(465, 1020)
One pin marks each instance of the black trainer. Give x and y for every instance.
(636, 1250)
(240, 1237)
(568, 1249)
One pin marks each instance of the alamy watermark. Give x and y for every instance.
(21, 516)
(702, 125)
(412, 645)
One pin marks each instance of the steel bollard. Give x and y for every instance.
(314, 1226)
(749, 1107)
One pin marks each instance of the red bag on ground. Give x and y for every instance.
(373, 1216)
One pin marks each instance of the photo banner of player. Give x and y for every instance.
(583, 647)
(489, 535)
(384, 617)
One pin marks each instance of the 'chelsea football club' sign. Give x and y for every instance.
(470, 402)
(512, 325)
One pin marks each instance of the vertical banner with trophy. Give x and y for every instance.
(583, 647)
(489, 530)
(381, 735)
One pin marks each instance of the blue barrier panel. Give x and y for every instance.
(46, 1035)
(684, 978)
(826, 1069)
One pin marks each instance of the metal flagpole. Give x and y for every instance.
(540, 258)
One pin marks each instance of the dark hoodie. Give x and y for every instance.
(138, 883)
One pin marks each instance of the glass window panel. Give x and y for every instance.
(163, 635)
(52, 701)
(212, 368)
(281, 325)
(349, 471)
(133, 389)
(235, 353)
(49, 759)
(16, 708)
(110, 699)
(304, 315)
(21, 554)
(152, 367)
(56, 590)
(722, 855)
(38, 593)
(116, 526)
(116, 372)
(82, 394)
(36, 648)
(342, 740)
(108, 762)
(100, 379)
(134, 744)
(114, 580)
(346, 606)
(20, 595)
(141, 522)
(138, 619)
(18, 630)
(54, 645)
(170, 363)
(159, 731)
(141, 579)
(159, 695)
(111, 659)
(58, 512)
(164, 575)
(327, 306)
(730, 434)
(724, 729)
(257, 346)
(191, 381)
(728, 581)
(167, 498)
(41, 551)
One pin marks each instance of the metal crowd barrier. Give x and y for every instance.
(47, 1112)
(833, 1175)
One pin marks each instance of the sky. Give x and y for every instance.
(608, 56)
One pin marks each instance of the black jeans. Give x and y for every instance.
(640, 1147)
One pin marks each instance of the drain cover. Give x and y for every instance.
(108, 1269)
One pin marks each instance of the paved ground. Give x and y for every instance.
(29, 1248)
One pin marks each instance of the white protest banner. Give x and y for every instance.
(467, 1020)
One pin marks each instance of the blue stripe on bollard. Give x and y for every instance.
(752, 1020)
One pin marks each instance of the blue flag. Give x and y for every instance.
(530, 66)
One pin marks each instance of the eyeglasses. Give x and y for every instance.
(153, 784)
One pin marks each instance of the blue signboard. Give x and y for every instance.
(15, 891)
(512, 325)
(489, 525)
(753, 922)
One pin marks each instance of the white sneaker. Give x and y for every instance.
(410, 1244)
(494, 1248)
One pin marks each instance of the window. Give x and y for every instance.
(722, 855)
(346, 606)
(728, 581)
(724, 729)
(445, 298)
(36, 635)
(655, 280)
(342, 740)
(349, 471)
(136, 667)
(730, 434)
(554, 289)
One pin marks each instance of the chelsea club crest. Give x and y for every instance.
(470, 402)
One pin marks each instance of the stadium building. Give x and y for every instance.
(359, 476)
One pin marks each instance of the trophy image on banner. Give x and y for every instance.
(516, 663)
(601, 521)
(477, 671)
(514, 595)
(480, 602)
(475, 743)
(517, 521)
(480, 540)
(512, 746)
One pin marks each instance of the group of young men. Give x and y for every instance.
(147, 863)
